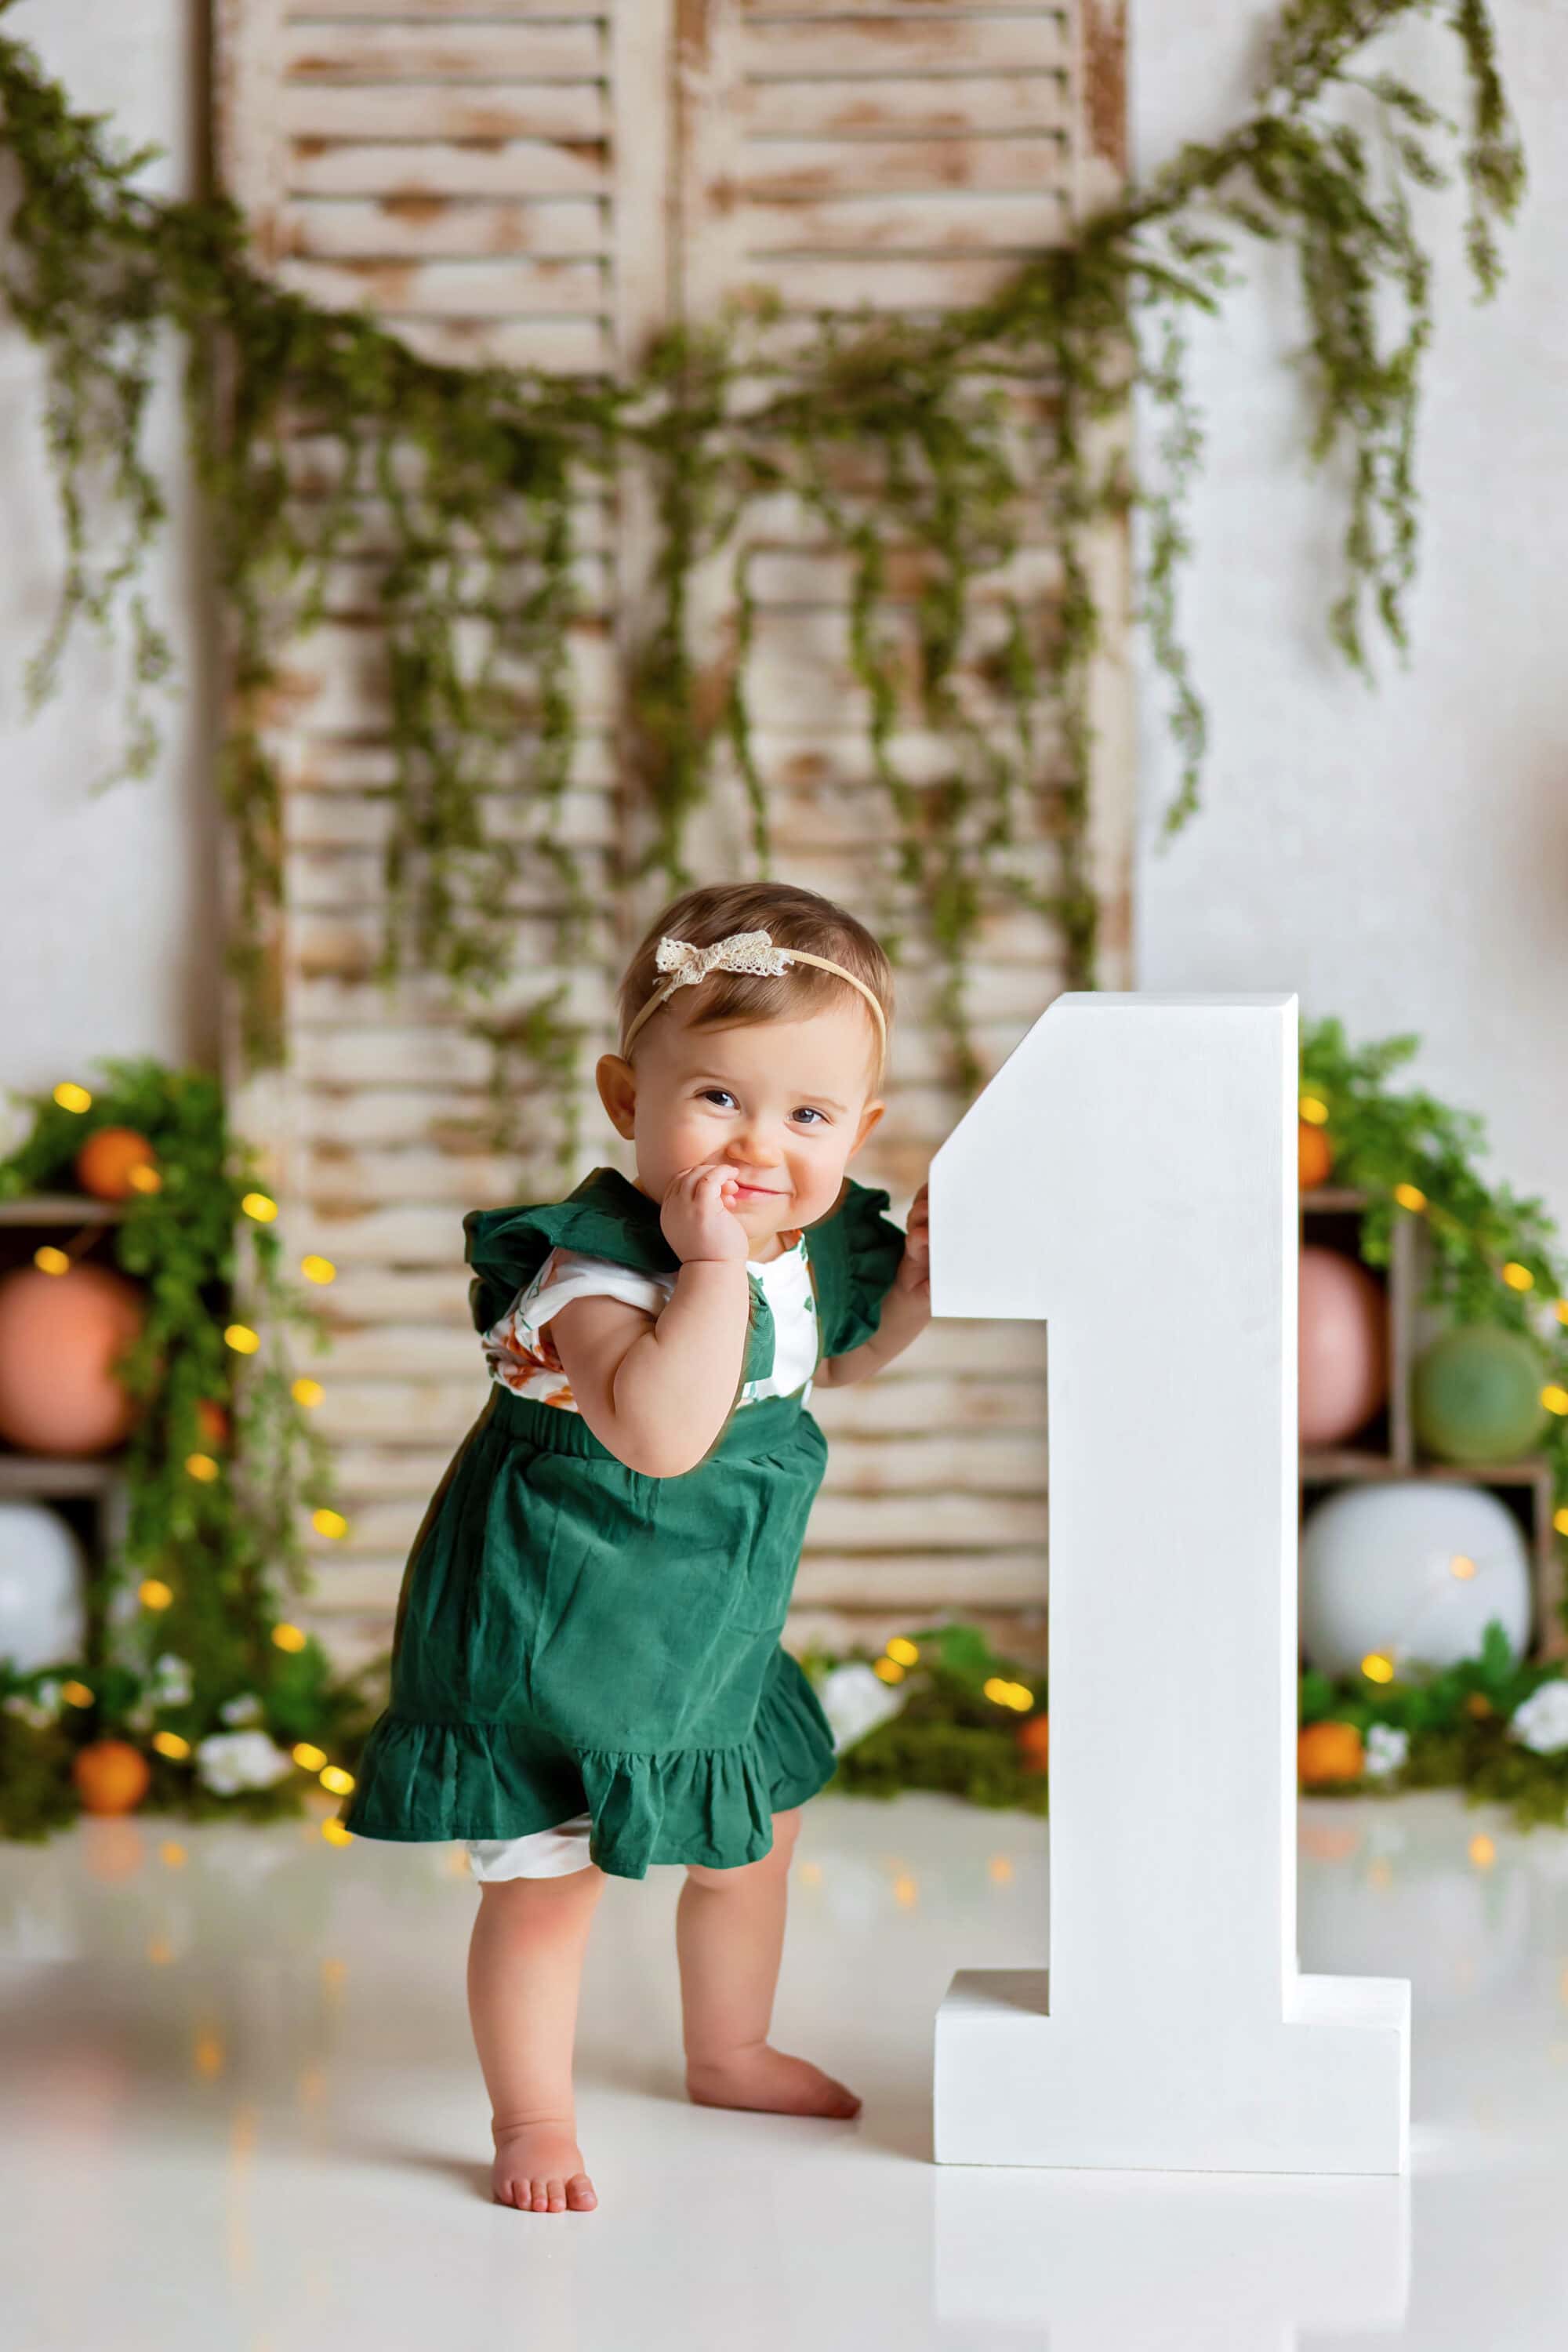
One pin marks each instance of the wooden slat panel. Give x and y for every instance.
(390, 52)
(463, 230)
(939, 108)
(855, 44)
(569, 111)
(437, 167)
(497, 180)
(1027, 160)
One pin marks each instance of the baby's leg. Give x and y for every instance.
(729, 1936)
(525, 1964)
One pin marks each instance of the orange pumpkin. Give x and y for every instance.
(1035, 1743)
(1329, 1751)
(212, 1421)
(103, 1164)
(1314, 1154)
(111, 1775)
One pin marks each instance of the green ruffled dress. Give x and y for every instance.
(574, 1635)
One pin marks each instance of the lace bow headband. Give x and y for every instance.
(740, 952)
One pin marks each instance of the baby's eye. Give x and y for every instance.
(814, 1112)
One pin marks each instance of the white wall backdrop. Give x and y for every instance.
(107, 941)
(1399, 857)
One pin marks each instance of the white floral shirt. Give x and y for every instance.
(521, 1354)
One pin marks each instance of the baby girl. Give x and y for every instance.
(587, 1672)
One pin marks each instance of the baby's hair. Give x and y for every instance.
(793, 918)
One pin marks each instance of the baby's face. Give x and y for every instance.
(783, 1103)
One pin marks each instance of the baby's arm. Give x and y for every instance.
(906, 1310)
(657, 1390)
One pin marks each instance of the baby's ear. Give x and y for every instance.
(618, 1084)
(869, 1118)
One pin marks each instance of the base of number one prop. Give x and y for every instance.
(1130, 1176)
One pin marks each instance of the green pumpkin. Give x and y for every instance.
(1476, 1395)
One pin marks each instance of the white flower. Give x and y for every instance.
(1542, 1722)
(39, 1711)
(1386, 1748)
(246, 1708)
(855, 1701)
(230, 1760)
(172, 1684)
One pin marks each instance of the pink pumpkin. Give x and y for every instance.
(1343, 1347)
(59, 1335)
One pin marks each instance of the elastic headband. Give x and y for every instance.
(740, 952)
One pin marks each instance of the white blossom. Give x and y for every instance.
(231, 1760)
(1387, 1745)
(855, 1701)
(39, 1711)
(246, 1708)
(171, 1682)
(1541, 1721)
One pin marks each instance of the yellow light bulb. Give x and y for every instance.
(1517, 1276)
(328, 1523)
(170, 1744)
(337, 1781)
(307, 1392)
(1377, 1668)
(76, 1693)
(144, 1180)
(317, 1269)
(1560, 1522)
(172, 1854)
(335, 1833)
(1554, 1399)
(1023, 1697)
(1462, 1567)
(1563, 1310)
(905, 1890)
(309, 1758)
(888, 1670)
(907, 1653)
(1314, 1111)
(242, 1339)
(1482, 1852)
(1410, 1196)
(49, 1260)
(72, 1097)
(289, 1637)
(154, 1593)
(999, 1691)
(258, 1206)
(201, 1466)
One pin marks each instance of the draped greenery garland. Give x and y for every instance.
(926, 454)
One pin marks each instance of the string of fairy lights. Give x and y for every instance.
(153, 1593)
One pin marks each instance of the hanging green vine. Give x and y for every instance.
(930, 457)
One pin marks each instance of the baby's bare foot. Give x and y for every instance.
(761, 2076)
(538, 2168)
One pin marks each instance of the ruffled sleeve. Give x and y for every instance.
(605, 1217)
(862, 1249)
(506, 1248)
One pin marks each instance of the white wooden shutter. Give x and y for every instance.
(547, 182)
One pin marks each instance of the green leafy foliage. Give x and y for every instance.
(930, 456)
(227, 1546)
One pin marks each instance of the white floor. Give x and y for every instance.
(242, 2112)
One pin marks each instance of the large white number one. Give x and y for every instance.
(1130, 1174)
